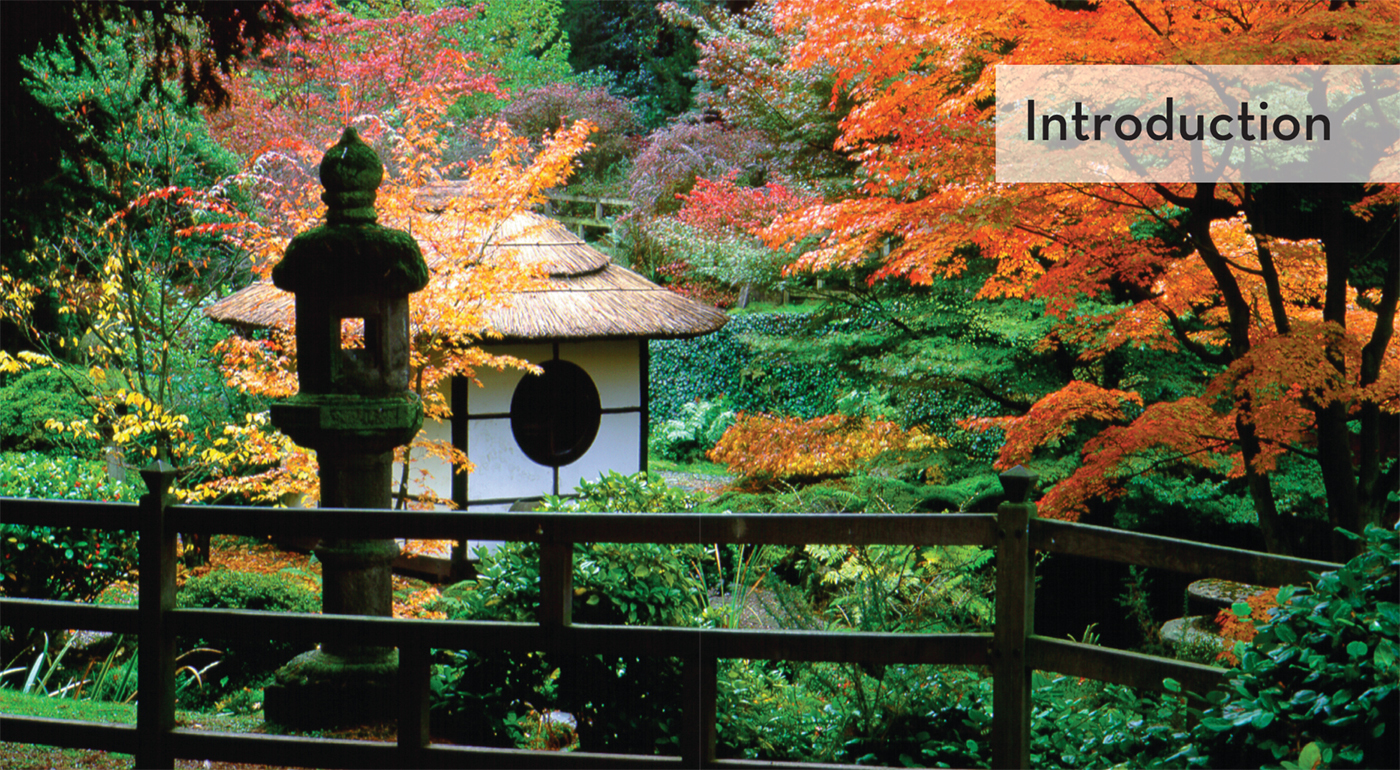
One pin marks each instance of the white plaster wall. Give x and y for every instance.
(613, 367)
(503, 471)
(617, 448)
(497, 388)
(439, 478)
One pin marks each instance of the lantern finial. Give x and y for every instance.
(351, 173)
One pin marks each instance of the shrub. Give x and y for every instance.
(30, 400)
(1324, 672)
(624, 704)
(63, 563)
(616, 493)
(764, 448)
(244, 662)
(687, 437)
(547, 108)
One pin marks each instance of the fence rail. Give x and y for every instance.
(551, 209)
(1012, 651)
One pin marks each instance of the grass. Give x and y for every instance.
(702, 467)
(21, 755)
(770, 307)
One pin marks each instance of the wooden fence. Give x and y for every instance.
(599, 206)
(1012, 651)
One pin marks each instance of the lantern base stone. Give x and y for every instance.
(318, 689)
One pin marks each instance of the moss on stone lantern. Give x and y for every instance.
(350, 279)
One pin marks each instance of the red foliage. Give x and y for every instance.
(679, 276)
(1234, 628)
(720, 207)
(1306, 353)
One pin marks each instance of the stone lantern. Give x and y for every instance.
(351, 279)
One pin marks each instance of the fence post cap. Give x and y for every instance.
(158, 476)
(1017, 483)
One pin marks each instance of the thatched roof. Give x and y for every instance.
(583, 296)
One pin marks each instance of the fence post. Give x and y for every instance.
(155, 671)
(699, 696)
(1015, 616)
(414, 673)
(556, 584)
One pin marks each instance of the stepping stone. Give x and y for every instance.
(1192, 631)
(1209, 596)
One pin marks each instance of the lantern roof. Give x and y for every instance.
(351, 253)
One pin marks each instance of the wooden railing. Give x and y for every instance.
(599, 205)
(1012, 651)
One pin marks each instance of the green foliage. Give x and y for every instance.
(621, 703)
(1082, 723)
(523, 45)
(615, 493)
(631, 44)
(728, 365)
(36, 475)
(64, 563)
(763, 714)
(745, 78)
(692, 433)
(1324, 670)
(241, 663)
(30, 399)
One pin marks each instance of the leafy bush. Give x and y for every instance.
(764, 448)
(31, 399)
(694, 432)
(727, 365)
(38, 476)
(64, 563)
(1324, 671)
(545, 109)
(716, 232)
(616, 493)
(244, 662)
(623, 704)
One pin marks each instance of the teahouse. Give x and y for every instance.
(587, 324)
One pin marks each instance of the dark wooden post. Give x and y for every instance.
(556, 584)
(155, 671)
(698, 702)
(413, 703)
(1011, 685)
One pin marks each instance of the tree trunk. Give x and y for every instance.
(1277, 539)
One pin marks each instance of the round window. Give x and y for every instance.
(554, 416)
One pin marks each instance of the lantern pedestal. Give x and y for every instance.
(351, 279)
(341, 682)
(322, 689)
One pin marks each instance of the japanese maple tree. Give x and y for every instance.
(396, 80)
(1286, 292)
